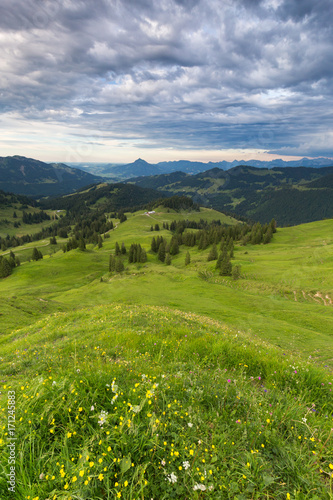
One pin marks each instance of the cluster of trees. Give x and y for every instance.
(60, 228)
(214, 232)
(7, 264)
(74, 243)
(137, 254)
(34, 218)
(115, 264)
(36, 254)
(178, 203)
(220, 238)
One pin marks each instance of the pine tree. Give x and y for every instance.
(268, 235)
(112, 264)
(225, 266)
(174, 247)
(273, 225)
(82, 244)
(236, 272)
(187, 258)
(157, 227)
(100, 241)
(123, 248)
(168, 259)
(143, 256)
(119, 265)
(161, 252)
(35, 254)
(117, 249)
(154, 246)
(213, 253)
(5, 269)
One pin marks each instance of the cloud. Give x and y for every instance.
(174, 73)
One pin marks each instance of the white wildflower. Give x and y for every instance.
(186, 465)
(102, 417)
(201, 487)
(190, 424)
(172, 478)
(92, 408)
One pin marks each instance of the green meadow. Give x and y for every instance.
(170, 381)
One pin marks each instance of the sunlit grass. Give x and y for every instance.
(154, 403)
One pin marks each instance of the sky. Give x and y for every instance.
(206, 80)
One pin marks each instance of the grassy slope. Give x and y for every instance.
(263, 302)
(233, 417)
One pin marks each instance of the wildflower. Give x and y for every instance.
(172, 478)
(201, 487)
(102, 417)
(190, 424)
(92, 408)
(331, 466)
(163, 463)
(101, 477)
(186, 465)
(81, 473)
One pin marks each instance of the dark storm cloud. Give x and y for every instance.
(185, 73)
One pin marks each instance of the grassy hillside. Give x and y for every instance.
(211, 387)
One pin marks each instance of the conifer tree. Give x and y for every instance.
(119, 265)
(174, 247)
(112, 263)
(236, 272)
(5, 269)
(161, 252)
(168, 259)
(187, 258)
(225, 265)
(268, 235)
(123, 248)
(213, 253)
(143, 256)
(117, 249)
(36, 254)
(154, 246)
(82, 244)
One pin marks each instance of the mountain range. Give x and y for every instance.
(292, 195)
(142, 168)
(35, 178)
